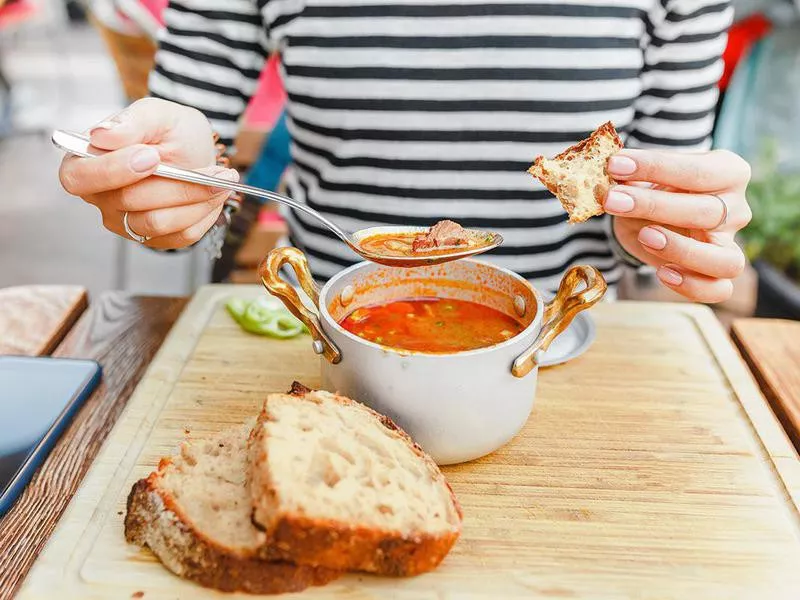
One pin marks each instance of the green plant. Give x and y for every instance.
(774, 233)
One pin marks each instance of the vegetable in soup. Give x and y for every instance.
(432, 325)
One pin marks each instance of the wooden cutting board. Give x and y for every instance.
(771, 348)
(35, 318)
(651, 468)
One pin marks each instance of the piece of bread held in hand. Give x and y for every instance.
(335, 484)
(194, 515)
(579, 177)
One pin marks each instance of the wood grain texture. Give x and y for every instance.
(35, 318)
(772, 350)
(123, 333)
(651, 468)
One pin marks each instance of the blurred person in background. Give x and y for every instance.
(765, 101)
(407, 113)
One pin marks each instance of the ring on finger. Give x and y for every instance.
(131, 233)
(724, 218)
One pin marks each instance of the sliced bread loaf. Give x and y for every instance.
(579, 177)
(194, 514)
(335, 484)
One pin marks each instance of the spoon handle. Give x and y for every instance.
(79, 145)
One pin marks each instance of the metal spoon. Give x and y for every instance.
(79, 145)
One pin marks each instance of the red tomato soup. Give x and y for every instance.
(433, 325)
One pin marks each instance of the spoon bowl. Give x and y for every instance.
(421, 258)
(80, 145)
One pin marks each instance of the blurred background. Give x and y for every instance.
(70, 63)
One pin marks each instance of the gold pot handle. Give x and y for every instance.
(270, 273)
(571, 299)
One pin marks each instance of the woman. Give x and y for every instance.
(409, 112)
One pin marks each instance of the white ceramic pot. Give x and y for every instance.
(458, 406)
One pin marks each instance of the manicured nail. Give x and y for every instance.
(669, 276)
(653, 238)
(227, 175)
(621, 165)
(106, 125)
(618, 202)
(145, 159)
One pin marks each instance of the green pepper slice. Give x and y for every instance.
(259, 318)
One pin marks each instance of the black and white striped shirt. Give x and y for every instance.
(410, 111)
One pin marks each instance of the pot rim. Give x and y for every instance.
(535, 323)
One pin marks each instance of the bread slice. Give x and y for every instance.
(194, 514)
(579, 176)
(335, 484)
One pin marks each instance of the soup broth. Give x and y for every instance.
(443, 238)
(398, 245)
(432, 325)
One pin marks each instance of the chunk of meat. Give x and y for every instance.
(444, 233)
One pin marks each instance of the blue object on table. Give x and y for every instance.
(38, 398)
(275, 157)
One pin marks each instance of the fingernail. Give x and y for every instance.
(618, 202)
(227, 175)
(145, 159)
(653, 238)
(621, 165)
(106, 125)
(669, 276)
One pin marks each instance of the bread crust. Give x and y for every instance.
(567, 192)
(605, 130)
(336, 545)
(155, 520)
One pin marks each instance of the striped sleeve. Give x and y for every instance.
(683, 64)
(210, 57)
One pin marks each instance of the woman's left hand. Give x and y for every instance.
(679, 213)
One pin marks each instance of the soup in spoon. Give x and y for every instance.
(441, 239)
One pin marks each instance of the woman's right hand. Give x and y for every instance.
(172, 214)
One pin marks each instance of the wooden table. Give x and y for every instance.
(123, 333)
(772, 350)
(652, 467)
